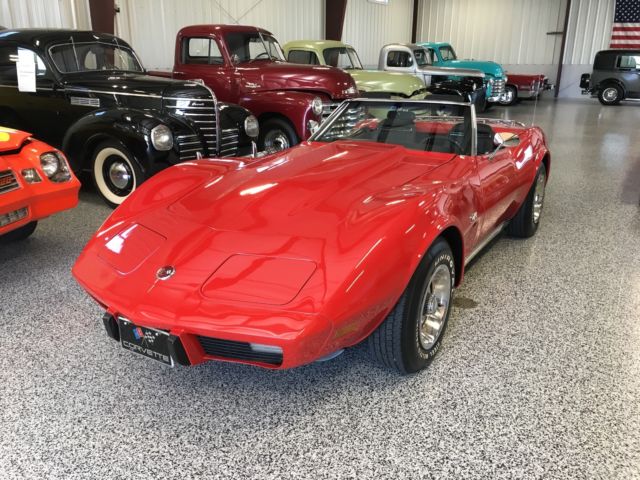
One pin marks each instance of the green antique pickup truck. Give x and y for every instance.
(371, 83)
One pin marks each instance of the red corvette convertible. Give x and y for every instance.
(362, 232)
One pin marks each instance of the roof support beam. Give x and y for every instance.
(103, 15)
(334, 11)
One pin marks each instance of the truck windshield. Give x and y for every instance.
(246, 47)
(447, 53)
(93, 56)
(422, 57)
(342, 57)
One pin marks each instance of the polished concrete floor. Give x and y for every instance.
(538, 377)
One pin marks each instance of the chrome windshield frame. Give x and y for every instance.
(324, 127)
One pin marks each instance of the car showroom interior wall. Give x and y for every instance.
(369, 25)
(516, 34)
(151, 25)
(588, 31)
(45, 13)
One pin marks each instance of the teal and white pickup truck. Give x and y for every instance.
(443, 55)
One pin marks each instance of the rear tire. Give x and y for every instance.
(277, 134)
(525, 223)
(411, 335)
(115, 173)
(610, 95)
(19, 233)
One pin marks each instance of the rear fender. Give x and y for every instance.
(602, 84)
(295, 106)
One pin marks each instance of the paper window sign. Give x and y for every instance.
(26, 70)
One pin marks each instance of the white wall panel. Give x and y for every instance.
(589, 30)
(151, 25)
(507, 31)
(368, 26)
(45, 13)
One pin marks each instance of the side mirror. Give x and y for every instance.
(504, 140)
(235, 59)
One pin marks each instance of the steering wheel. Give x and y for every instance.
(457, 147)
(266, 54)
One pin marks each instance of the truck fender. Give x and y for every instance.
(293, 105)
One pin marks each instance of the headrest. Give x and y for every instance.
(399, 118)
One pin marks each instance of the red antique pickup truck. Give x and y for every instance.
(246, 65)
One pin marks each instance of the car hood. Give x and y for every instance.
(314, 188)
(12, 139)
(125, 84)
(265, 75)
(377, 81)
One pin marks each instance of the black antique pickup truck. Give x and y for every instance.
(88, 94)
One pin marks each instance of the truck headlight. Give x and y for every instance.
(317, 106)
(251, 126)
(54, 166)
(161, 137)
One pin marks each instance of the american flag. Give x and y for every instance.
(626, 25)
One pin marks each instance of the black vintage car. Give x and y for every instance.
(615, 76)
(92, 98)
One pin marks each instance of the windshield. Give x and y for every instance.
(425, 126)
(247, 47)
(94, 56)
(447, 53)
(422, 57)
(342, 57)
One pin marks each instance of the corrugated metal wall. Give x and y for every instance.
(507, 31)
(151, 25)
(369, 26)
(589, 30)
(45, 13)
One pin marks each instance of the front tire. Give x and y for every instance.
(115, 173)
(610, 95)
(19, 233)
(510, 97)
(277, 134)
(525, 223)
(412, 333)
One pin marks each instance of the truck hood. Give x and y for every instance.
(377, 81)
(266, 75)
(489, 68)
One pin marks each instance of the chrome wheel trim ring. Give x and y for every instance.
(508, 96)
(434, 307)
(610, 94)
(276, 140)
(538, 197)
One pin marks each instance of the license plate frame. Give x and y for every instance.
(145, 341)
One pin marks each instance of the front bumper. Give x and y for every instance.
(40, 200)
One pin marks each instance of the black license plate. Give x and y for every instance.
(145, 341)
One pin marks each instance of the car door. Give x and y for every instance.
(38, 112)
(498, 174)
(201, 58)
(629, 67)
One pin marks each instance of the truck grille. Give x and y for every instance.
(237, 351)
(201, 114)
(498, 87)
(346, 122)
(8, 181)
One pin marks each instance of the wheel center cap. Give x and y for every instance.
(432, 305)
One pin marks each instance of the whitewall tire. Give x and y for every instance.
(115, 174)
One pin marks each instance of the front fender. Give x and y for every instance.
(232, 119)
(129, 127)
(291, 104)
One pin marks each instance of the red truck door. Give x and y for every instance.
(201, 58)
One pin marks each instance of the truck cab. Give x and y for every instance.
(615, 76)
(415, 60)
(444, 55)
(246, 65)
